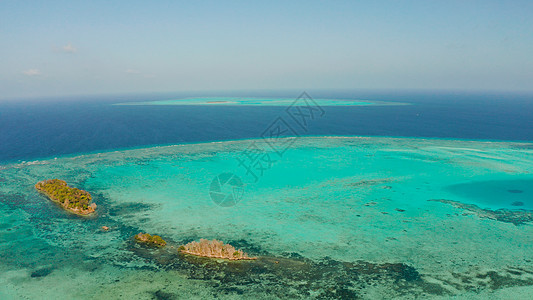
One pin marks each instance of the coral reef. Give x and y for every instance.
(292, 276)
(150, 239)
(214, 249)
(72, 199)
(296, 277)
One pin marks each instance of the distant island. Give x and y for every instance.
(214, 249)
(146, 238)
(250, 101)
(71, 199)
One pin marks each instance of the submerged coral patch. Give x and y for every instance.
(516, 217)
(42, 272)
(515, 191)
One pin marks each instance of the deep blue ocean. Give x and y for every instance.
(33, 129)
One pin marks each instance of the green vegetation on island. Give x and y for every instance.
(72, 199)
(150, 239)
(214, 249)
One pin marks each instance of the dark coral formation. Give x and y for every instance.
(72, 199)
(43, 272)
(295, 276)
(491, 279)
(146, 238)
(291, 276)
(370, 182)
(516, 217)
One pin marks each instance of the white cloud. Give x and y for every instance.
(139, 73)
(32, 72)
(69, 48)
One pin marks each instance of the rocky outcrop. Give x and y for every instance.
(153, 240)
(214, 249)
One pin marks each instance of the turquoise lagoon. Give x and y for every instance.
(332, 217)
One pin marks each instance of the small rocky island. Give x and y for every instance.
(146, 238)
(71, 199)
(214, 249)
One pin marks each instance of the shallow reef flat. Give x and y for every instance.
(331, 217)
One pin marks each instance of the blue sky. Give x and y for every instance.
(53, 48)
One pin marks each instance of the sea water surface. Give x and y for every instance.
(337, 215)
